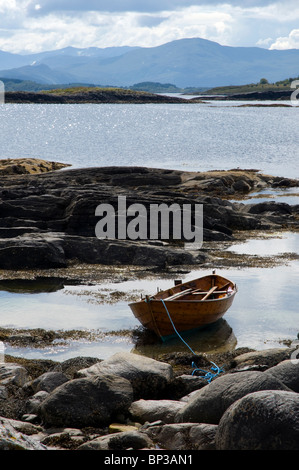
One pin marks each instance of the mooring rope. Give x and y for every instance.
(209, 376)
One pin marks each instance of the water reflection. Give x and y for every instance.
(28, 286)
(218, 337)
(268, 245)
(264, 313)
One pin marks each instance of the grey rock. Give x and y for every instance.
(11, 439)
(13, 374)
(24, 427)
(183, 385)
(69, 367)
(48, 219)
(148, 377)
(153, 410)
(32, 251)
(183, 436)
(265, 420)
(47, 381)
(267, 357)
(288, 372)
(86, 402)
(209, 403)
(119, 441)
(202, 436)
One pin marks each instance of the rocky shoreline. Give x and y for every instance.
(118, 96)
(48, 219)
(95, 96)
(130, 402)
(47, 231)
(266, 95)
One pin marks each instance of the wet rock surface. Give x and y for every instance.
(48, 220)
(98, 411)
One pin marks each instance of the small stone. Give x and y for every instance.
(118, 427)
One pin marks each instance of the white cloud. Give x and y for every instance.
(289, 42)
(37, 25)
(99, 29)
(264, 42)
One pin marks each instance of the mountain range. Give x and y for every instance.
(192, 62)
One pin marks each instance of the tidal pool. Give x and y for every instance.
(285, 195)
(264, 313)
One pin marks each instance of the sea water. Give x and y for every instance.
(191, 137)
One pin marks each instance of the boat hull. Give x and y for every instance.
(166, 317)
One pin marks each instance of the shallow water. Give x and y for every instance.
(268, 245)
(288, 196)
(264, 313)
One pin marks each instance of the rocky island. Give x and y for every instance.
(89, 95)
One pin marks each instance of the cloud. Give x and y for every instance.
(46, 6)
(105, 29)
(289, 42)
(38, 25)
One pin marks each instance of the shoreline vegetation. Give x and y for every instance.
(129, 401)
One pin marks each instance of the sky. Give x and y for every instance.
(42, 25)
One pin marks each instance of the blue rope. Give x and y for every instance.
(173, 326)
(209, 376)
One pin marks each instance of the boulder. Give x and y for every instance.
(267, 357)
(23, 427)
(153, 410)
(46, 382)
(11, 439)
(148, 377)
(270, 206)
(119, 441)
(265, 420)
(184, 384)
(182, 436)
(210, 402)
(84, 402)
(287, 372)
(27, 252)
(13, 374)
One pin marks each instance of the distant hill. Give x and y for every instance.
(14, 84)
(185, 63)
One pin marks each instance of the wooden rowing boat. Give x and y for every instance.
(186, 306)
